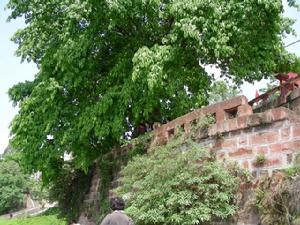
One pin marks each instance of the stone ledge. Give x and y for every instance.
(257, 119)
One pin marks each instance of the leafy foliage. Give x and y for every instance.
(13, 185)
(221, 91)
(106, 66)
(69, 189)
(178, 184)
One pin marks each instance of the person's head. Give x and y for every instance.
(117, 203)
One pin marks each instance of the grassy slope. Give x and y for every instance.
(38, 220)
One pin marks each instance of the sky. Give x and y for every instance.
(12, 71)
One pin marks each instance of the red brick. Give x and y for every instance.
(291, 145)
(228, 143)
(295, 145)
(245, 110)
(287, 146)
(296, 131)
(279, 113)
(261, 150)
(264, 138)
(220, 115)
(232, 124)
(276, 148)
(285, 133)
(221, 127)
(242, 122)
(245, 165)
(240, 152)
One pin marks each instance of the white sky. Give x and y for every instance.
(12, 71)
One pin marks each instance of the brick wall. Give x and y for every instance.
(260, 142)
(274, 134)
(271, 133)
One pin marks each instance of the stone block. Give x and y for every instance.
(279, 113)
(296, 131)
(244, 110)
(242, 122)
(241, 152)
(232, 124)
(264, 138)
(229, 143)
(285, 133)
(293, 145)
(277, 148)
(261, 150)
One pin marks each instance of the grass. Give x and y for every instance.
(38, 220)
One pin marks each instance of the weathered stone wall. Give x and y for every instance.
(243, 136)
(274, 134)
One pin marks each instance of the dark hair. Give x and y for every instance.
(117, 203)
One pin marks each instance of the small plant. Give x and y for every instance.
(202, 124)
(292, 171)
(260, 159)
(219, 135)
(206, 121)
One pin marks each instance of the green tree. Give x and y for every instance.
(107, 66)
(13, 185)
(221, 91)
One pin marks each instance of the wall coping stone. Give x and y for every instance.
(257, 119)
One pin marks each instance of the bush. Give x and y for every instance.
(178, 184)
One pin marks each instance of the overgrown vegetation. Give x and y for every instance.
(277, 198)
(69, 189)
(180, 183)
(110, 165)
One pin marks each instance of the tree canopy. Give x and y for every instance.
(107, 66)
(15, 183)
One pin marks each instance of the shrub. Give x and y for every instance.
(178, 184)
